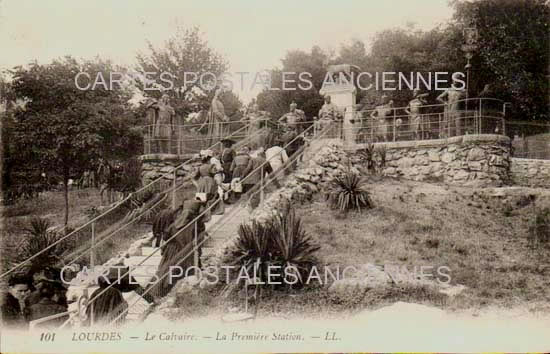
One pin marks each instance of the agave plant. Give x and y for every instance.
(381, 151)
(348, 191)
(294, 249)
(38, 237)
(368, 156)
(279, 242)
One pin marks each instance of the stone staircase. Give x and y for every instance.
(220, 228)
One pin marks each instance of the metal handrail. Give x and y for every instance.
(207, 210)
(198, 245)
(96, 218)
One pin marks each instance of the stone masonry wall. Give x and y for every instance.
(530, 172)
(476, 160)
(162, 165)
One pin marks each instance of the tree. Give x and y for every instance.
(277, 101)
(182, 55)
(62, 129)
(512, 51)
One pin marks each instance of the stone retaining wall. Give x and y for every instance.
(530, 172)
(162, 165)
(476, 160)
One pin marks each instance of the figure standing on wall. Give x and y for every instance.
(415, 117)
(163, 128)
(451, 97)
(216, 119)
(294, 119)
(380, 122)
(254, 118)
(328, 114)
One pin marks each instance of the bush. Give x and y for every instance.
(539, 232)
(38, 237)
(280, 243)
(348, 192)
(367, 154)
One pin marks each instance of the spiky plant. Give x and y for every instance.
(280, 243)
(37, 238)
(294, 250)
(381, 151)
(348, 191)
(367, 155)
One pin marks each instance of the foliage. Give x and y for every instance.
(512, 51)
(61, 130)
(277, 102)
(539, 232)
(348, 191)
(144, 206)
(37, 238)
(381, 152)
(367, 154)
(279, 242)
(183, 53)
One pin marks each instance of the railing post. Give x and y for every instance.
(92, 256)
(195, 248)
(262, 184)
(394, 125)
(174, 189)
(92, 264)
(179, 139)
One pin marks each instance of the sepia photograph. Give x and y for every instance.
(274, 176)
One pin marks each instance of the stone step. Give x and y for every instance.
(147, 260)
(146, 251)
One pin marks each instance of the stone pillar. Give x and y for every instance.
(344, 96)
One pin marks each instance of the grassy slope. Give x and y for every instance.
(50, 205)
(420, 224)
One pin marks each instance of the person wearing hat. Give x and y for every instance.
(415, 116)
(240, 168)
(178, 251)
(204, 177)
(227, 156)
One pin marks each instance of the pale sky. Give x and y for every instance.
(253, 35)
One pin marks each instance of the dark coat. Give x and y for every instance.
(12, 315)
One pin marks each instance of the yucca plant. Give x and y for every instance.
(367, 155)
(348, 191)
(381, 151)
(294, 250)
(37, 238)
(279, 242)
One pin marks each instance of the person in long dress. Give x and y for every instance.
(179, 250)
(164, 124)
(109, 307)
(216, 127)
(240, 168)
(204, 177)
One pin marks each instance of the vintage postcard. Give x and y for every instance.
(275, 176)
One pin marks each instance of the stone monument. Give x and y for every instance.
(343, 94)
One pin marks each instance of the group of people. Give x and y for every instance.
(419, 124)
(29, 298)
(221, 178)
